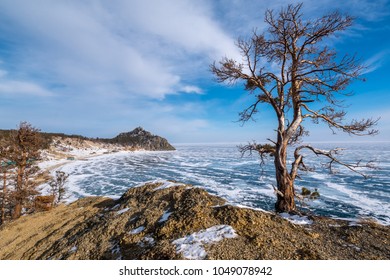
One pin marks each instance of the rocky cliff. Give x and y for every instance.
(177, 221)
(142, 139)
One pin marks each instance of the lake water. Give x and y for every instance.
(221, 170)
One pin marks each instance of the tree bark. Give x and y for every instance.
(19, 193)
(17, 210)
(285, 184)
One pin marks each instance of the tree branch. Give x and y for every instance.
(332, 156)
(333, 119)
(263, 150)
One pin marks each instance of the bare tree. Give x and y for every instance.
(23, 152)
(291, 69)
(57, 186)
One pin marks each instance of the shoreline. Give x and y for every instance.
(51, 165)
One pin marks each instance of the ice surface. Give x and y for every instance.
(191, 246)
(221, 171)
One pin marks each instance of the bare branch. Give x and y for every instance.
(332, 156)
(333, 119)
(264, 150)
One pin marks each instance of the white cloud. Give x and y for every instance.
(192, 89)
(140, 48)
(22, 88)
(375, 62)
(16, 88)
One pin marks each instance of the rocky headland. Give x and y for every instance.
(169, 220)
(58, 146)
(141, 139)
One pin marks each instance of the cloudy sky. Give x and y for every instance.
(98, 68)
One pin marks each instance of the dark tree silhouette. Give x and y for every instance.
(291, 69)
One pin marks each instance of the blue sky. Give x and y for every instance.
(98, 68)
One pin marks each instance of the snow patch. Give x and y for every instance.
(296, 219)
(191, 246)
(147, 241)
(46, 164)
(248, 207)
(354, 224)
(165, 217)
(137, 230)
(115, 206)
(122, 211)
(116, 250)
(73, 249)
(166, 184)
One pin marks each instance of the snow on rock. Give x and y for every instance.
(166, 184)
(116, 250)
(73, 249)
(137, 230)
(116, 206)
(165, 217)
(147, 241)
(247, 207)
(296, 219)
(122, 210)
(191, 246)
(354, 224)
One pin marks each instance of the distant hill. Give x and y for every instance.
(138, 139)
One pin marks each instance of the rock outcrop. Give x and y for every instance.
(176, 221)
(142, 139)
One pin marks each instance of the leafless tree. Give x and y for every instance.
(57, 186)
(23, 152)
(291, 69)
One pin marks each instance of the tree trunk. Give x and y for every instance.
(17, 210)
(285, 198)
(19, 194)
(285, 185)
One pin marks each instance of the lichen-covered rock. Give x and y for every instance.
(158, 220)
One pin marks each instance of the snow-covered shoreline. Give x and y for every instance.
(66, 161)
(66, 153)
